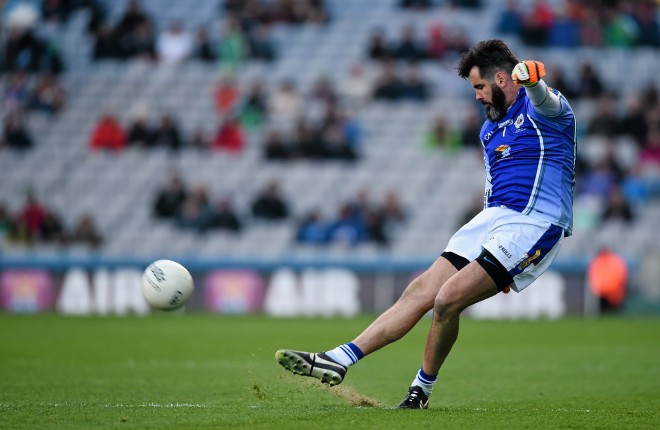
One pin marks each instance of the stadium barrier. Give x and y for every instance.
(281, 288)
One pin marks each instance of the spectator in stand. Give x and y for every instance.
(24, 50)
(107, 44)
(195, 213)
(56, 10)
(140, 133)
(409, 48)
(633, 122)
(591, 33)
(393, 212)
(48, 95)
(274, 147)
(440, 136)
(32, 216)
(469, 134)
(510, 20)
(469, 4)
(15, 134)
(619, 25)
(253, 110)
(559, 81)
(605, 122)
(108, 134)
(285, 104)
(233, 46)
(85, 232)
(230, 136)
(416, 5)
(312, 229)
(375, 228)
(414, 87)
(260, 44)
(6, 222)
(435, 42)
(617, 207)
(224, 216)
(203, 49)
(317, 12)
(170, 198)
(599, 181)
(199, 140)
(141, 45)
(537, 24)
(306, 143)
(167, 134)
(52, 229)
(133, 17)
(457, 41)
(357, 86)
(96, 13)
(388, 85)
(378, 48)
(347, 229)
(269, 204)
(564, 32)
(17, 94)
(646, 18)
(351, 128)
(360, 205)
(175, 45)
(225, 94)
(589, 84)
(335, 143)
(324, 91)
(649, 157)
(19, 233)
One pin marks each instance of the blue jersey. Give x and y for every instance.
(530, 162)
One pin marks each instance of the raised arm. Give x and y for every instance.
(528, 74)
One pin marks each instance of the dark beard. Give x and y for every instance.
(497, 109)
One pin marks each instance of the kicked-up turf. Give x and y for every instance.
(198, 371)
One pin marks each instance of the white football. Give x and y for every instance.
(167, 285)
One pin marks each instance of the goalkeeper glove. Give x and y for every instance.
(528, 73)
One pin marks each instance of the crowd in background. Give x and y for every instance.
(357, 221)
(36, 223)
(277, 119)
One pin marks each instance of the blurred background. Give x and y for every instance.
(306, 157)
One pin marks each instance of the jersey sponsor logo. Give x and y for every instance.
(527, 260)
(488, 135)
(519, 121)
(502, 151)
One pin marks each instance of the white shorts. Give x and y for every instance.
(525, 246)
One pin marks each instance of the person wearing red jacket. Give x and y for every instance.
(108, 134)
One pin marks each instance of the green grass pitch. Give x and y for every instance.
(201, 371)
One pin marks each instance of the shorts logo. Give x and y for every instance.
(526, 262)
(502, 151)
(504, 251)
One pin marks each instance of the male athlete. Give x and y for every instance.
(529, 151)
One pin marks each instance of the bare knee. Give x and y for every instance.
(446, 305)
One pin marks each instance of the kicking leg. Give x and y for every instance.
(331, 366)
(414, 303)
